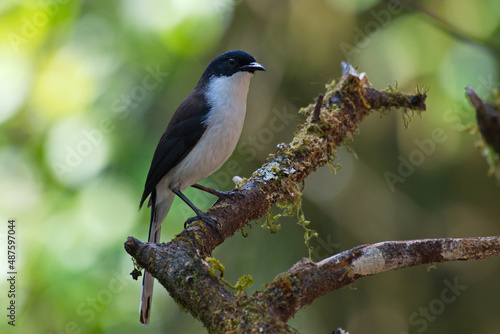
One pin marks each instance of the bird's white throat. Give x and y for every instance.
(227, 97)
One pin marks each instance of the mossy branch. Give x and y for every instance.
(181, 266)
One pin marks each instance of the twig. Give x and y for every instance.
(317, 109)
(488, 119)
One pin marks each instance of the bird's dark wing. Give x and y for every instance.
(183, 132)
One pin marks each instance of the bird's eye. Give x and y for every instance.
(232, 62)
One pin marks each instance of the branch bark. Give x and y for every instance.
(488, 118)
(180, 265)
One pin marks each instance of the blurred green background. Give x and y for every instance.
(88, 87)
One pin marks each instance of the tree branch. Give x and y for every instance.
(180, 265)
(308, 280)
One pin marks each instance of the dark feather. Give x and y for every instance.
(182, 134)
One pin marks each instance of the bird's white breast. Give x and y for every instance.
(227, 98)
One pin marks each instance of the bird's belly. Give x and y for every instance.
(212, 150)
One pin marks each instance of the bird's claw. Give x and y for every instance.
(222, 195)
(204, 218)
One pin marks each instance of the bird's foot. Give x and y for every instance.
(223, 194)
(232, 193)
(204, 218)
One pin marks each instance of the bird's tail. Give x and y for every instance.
(159, 211)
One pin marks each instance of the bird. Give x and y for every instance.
(201, 135)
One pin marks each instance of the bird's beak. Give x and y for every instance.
(252, 67)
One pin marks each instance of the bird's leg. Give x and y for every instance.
(215, 192)
(205, 218)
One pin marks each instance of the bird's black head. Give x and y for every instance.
(232, 62)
